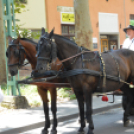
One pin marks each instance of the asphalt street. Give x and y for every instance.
(109, 122)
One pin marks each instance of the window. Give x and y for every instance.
(95, 46)
(68, 31)
(131, 16)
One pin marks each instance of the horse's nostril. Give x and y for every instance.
(41, 68)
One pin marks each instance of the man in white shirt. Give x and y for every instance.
(129, 42)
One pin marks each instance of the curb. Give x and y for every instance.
(60, 119)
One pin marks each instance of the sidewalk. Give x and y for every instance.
(34, 117)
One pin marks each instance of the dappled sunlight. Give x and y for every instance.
(119, 122)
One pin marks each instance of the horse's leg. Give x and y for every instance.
(88, 100)
(53, 93)
(43, 94)
(80, 100)
(128, 107)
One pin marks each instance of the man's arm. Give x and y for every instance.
(125, 44)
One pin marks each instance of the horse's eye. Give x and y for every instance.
(7, 54)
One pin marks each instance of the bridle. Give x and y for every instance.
(18, 54)
(38, 52)
(62, 61)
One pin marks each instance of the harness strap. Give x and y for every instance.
(117, 64)
(103, 73)
(76, 55)
(82, 57)
(19, 63)
(69, 73)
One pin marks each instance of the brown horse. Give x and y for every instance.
(20, 49)
(84, 85)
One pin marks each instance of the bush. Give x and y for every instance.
(132, 22)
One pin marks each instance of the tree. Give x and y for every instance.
(2, 48)
(19, 5)
(83, 29)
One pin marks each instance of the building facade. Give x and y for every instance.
(34, 15)
(108, 18)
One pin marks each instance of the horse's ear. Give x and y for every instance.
(51, 33)
(43, 31)
(9, 39)
(17, 40)
(18, 37)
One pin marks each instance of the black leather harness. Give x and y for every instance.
(19, 50)
(64, 74)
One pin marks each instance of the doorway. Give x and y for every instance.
(104, 45)
(109, 42)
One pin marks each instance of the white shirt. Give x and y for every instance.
(128, 44)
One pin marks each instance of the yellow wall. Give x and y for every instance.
(34, 17)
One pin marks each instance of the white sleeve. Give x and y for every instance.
(125, 44)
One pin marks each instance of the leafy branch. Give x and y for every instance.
(19, 5)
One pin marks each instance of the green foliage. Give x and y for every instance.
(25, 33)
(64, 92)
(19, 5)
(4, 86)
(35, 35)
(132, 22)
(31, 94)
(67, 88)
(72, 97)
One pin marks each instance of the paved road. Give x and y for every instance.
(109, 122)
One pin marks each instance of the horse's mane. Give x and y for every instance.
(29, 40)
(70, 42)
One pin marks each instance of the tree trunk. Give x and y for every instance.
(2, 49)
(83, 29)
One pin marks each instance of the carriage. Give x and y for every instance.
(83, 70)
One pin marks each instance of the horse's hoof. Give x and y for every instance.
(53, 132)
(90, 131)
(126, 123)
(81, 132)
(44, 131)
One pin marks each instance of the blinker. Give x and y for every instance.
(7, 54)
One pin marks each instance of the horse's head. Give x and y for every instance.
(15, 54)
(46, 51)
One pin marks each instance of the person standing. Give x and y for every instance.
(129, 42)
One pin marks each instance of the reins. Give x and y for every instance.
(76, 55)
